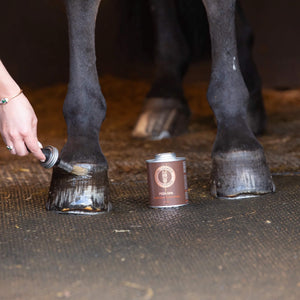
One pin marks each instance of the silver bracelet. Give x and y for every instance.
(6, 99)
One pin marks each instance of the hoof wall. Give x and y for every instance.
(162, 118)
(240, 174)
(72, 194)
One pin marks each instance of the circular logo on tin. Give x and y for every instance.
(164, 176)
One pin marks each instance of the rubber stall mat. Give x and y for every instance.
(209, 249)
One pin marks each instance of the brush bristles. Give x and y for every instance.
(79, 171)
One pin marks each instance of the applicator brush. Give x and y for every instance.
(53, 159)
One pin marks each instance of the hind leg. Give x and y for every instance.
(84, 110)
(239, 165)
(166, 112)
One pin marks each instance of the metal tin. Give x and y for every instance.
(167, 181)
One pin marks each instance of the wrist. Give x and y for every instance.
(9, 91)
(5, 100)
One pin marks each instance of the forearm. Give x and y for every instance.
(18, 122)
(8, 87)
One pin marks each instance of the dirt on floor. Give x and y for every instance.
(127, 156)
(209, 249)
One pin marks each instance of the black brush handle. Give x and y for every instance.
(47, 153)
(52, 157)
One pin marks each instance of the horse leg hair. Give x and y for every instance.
(84, 111)
(166, 112)
(239, 167)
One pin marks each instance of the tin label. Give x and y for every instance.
(164, 176)
(167, 183)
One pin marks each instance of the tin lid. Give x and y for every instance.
(165, 157)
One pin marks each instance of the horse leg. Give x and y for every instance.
(166, 112)
(256, 111)
(239, 167)
(84, 110)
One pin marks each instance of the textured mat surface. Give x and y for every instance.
(210, 249)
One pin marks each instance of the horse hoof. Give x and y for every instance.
(162, 118)
(73, 194)
(240, 174)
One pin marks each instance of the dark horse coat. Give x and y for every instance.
(239, 167)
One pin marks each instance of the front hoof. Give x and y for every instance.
(162, 118)
(240, 174)
(86, 194)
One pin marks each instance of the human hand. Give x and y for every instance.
(18, 127)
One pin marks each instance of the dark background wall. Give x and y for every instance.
(34, 41)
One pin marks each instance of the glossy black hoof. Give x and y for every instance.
(240, 174)
(162, 118)
(83, 194)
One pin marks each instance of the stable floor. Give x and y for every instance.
(209, 249)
